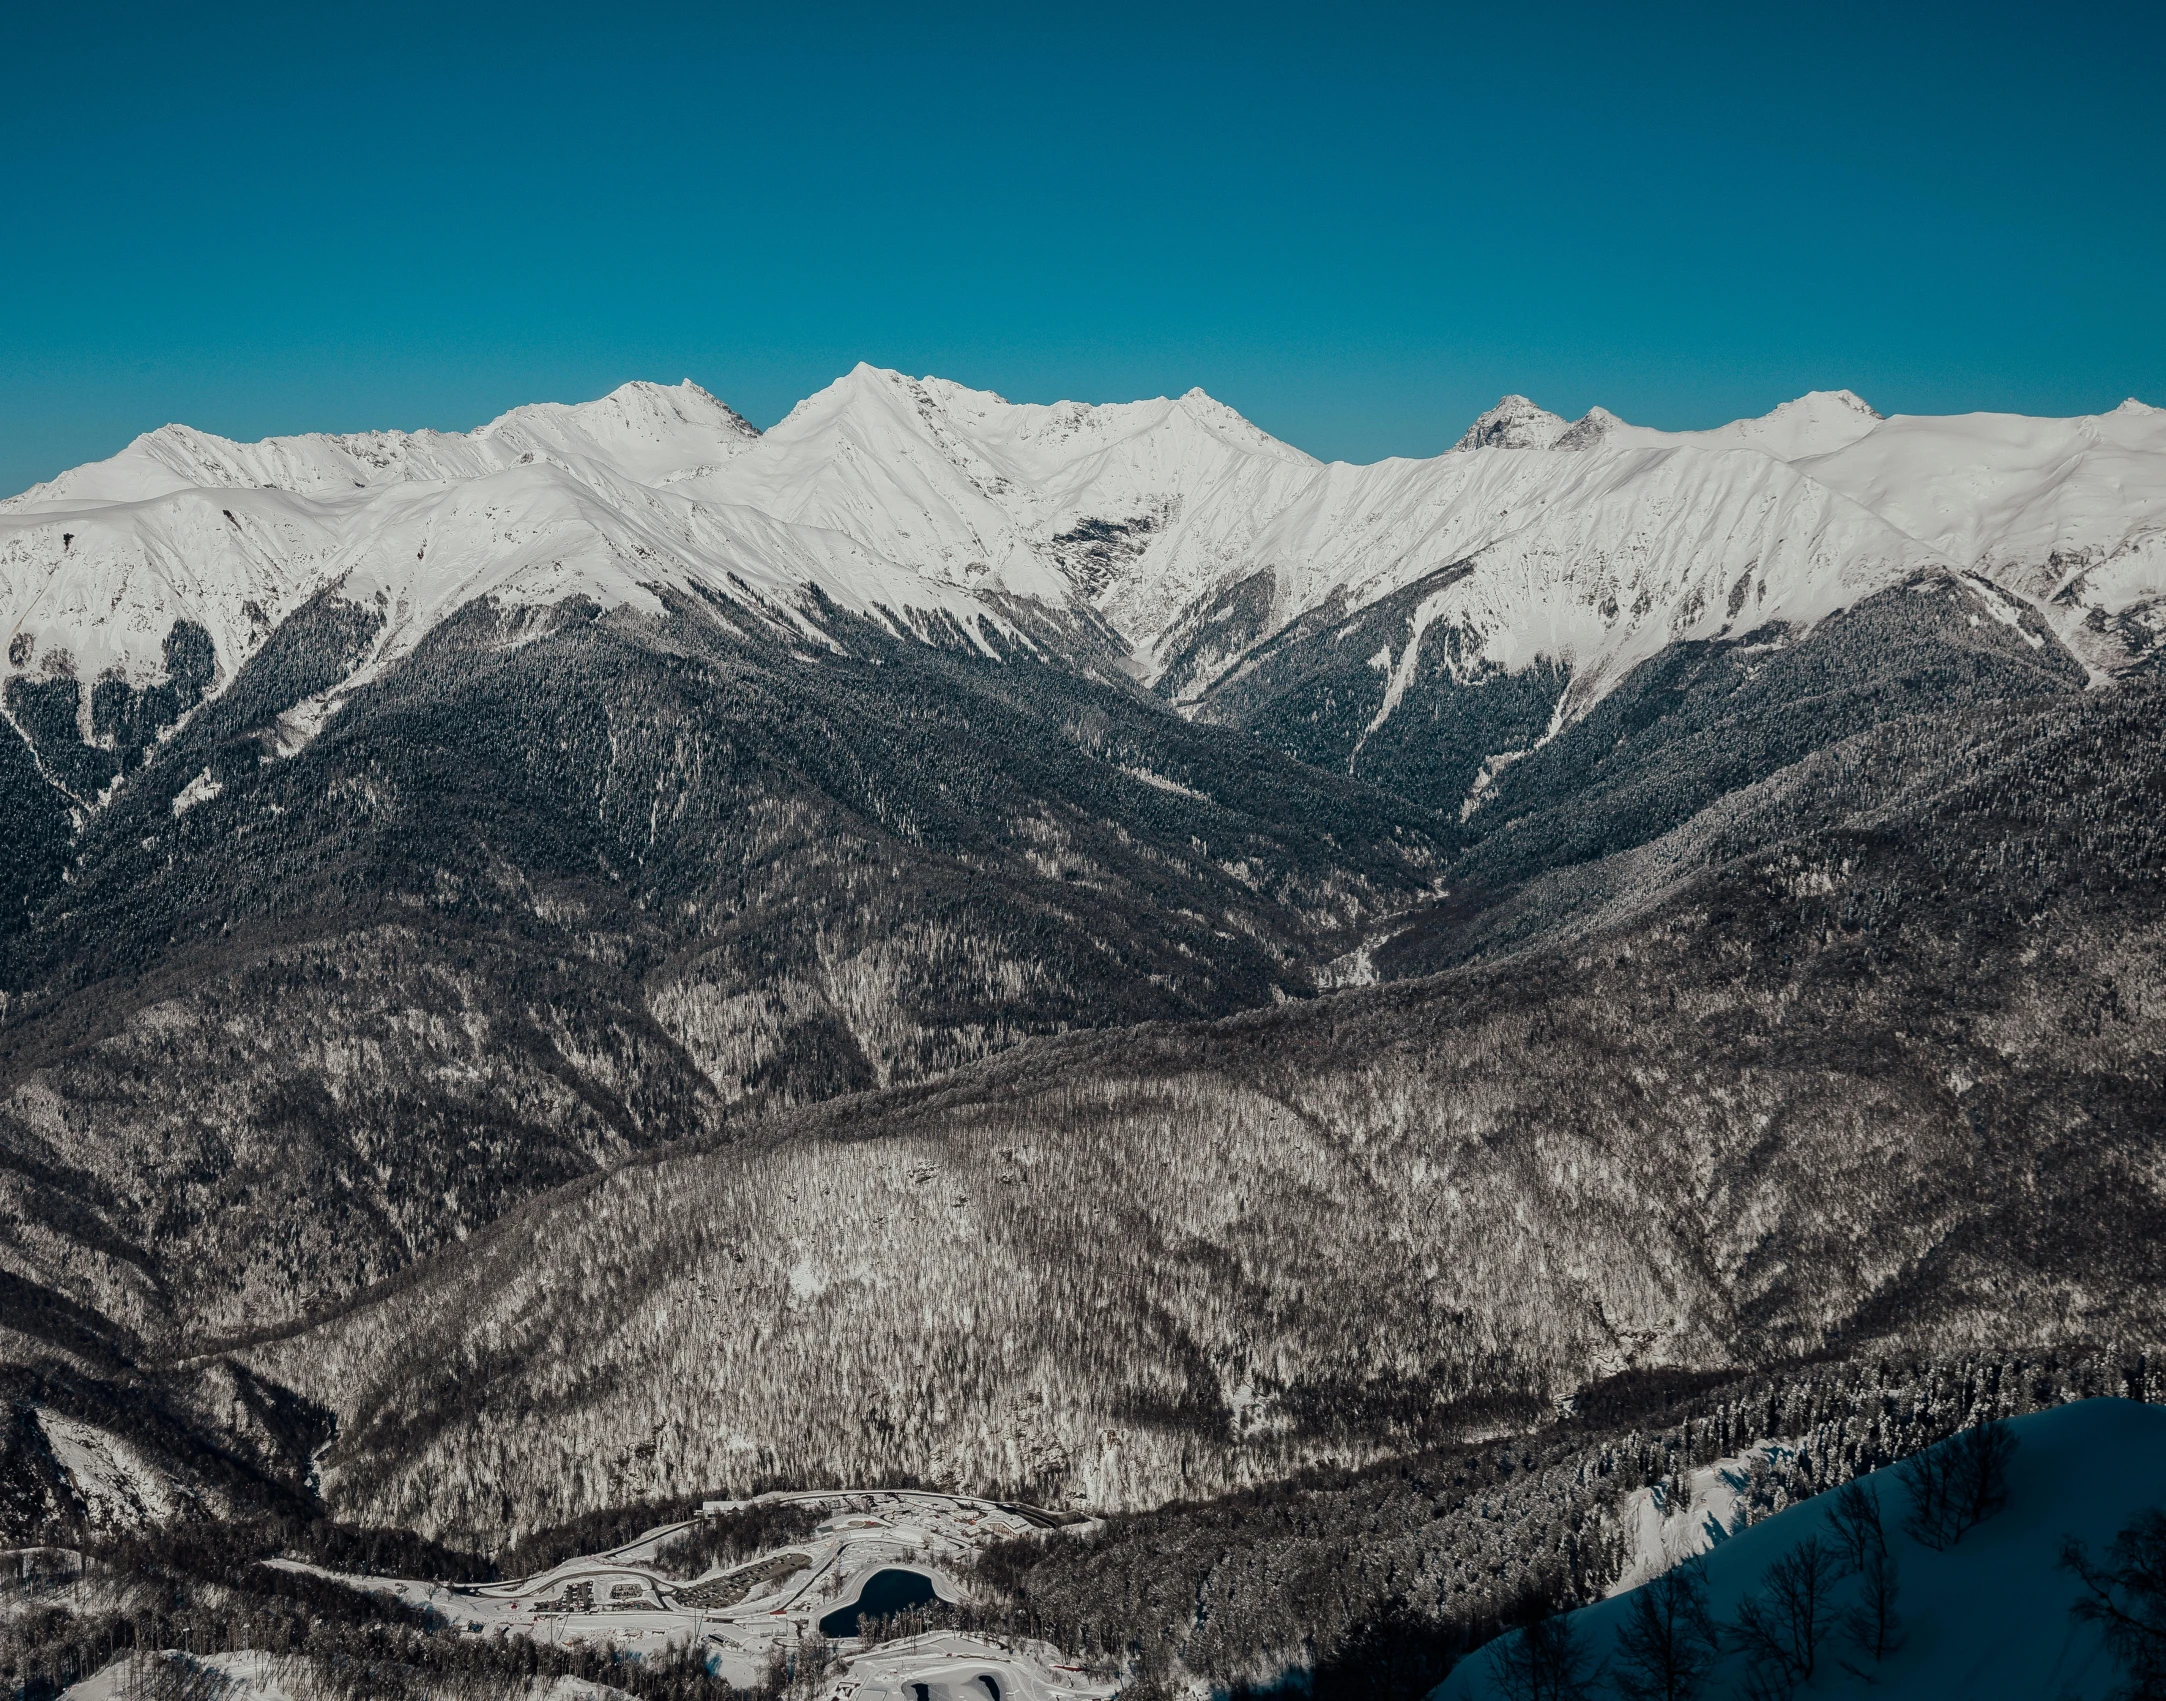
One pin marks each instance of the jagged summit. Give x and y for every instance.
(1514, 423)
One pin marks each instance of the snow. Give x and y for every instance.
(120, 1489)
(1595, 559)
(973, 490)
(201, 789)
(923, 504)
(646, 431)
(2067, 513)
(1816, 423)
(1988, 1619)
(252, 1675)
(862, 1531)
(95, 590)
(249, 1675)
(957, 1666)
(1664, 1532)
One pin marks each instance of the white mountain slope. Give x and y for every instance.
(1597, 559)
(1148, 509)
(1817, 423)
(1197, 536)
(643, 431)
(2070, 513)
(1135, 506)
(543, 503)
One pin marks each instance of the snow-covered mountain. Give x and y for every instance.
(1197, 538)
(1612, 902)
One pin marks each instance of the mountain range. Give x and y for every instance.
(1074, 952)
(1192, 547)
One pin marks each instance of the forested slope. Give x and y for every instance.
(562, 886)
(1868, 1054)
(1374, 1584)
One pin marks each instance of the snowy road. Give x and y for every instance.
(623, 1597)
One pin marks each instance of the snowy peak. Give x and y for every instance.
(1591, 428)
(650, 433)
(653, 433)
(1062, 502)
(546, 501)
(1816, 423)
(1846, 401)
(1235, 428)
(1514, 423)
(864, 384)
(1029, 439)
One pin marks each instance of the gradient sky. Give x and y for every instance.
(1356, 224)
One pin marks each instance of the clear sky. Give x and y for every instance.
(1356, 224)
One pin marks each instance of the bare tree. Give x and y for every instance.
(1927, 1476)
(810, 1666)
(2126, 1599)
(1543, 1662)
(1855, 1518)
(1958, 1484)
(1781, 1629)
(1668, 1643)
(1872, 1621)
(1982, 1455)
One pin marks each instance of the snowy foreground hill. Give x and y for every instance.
(1335, 1020)
(1984, 1619)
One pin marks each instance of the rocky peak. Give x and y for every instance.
(1514, 423)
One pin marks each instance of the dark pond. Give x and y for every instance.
(885, 1592)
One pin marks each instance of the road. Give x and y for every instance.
(623, 1598)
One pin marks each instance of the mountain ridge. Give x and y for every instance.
(923, 497)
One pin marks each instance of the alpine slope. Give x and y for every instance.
(1174, 537)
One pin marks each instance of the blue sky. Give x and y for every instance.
(1357, 224)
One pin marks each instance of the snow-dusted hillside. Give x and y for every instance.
(2069, 513)
(1595, 545)
(1596, 560)
(1984, 1620)
(1586, 547)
